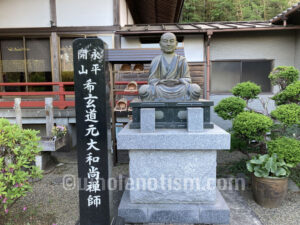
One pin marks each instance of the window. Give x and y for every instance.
(26, 60)
(13, 67)
(38, 63)
(226, 74)
(66, 61)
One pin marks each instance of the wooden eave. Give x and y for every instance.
(49, 30)
(193, 28)
(155, 11)
(291, 16)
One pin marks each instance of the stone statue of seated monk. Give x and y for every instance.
(169, 76)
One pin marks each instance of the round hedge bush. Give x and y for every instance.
(290, 95)
(18, 148)
(287, 114)
(286, 148)
(283, 76)
(251, 125)
(246, 90)
(230, 107)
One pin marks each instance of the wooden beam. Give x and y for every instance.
(178, 10)
(53, 17)
(112, 100)
(116, 12)
(49, 30)
(25, 62)
(55, 59)
(117, 41)
(1, 70)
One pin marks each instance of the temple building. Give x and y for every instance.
(36, 55)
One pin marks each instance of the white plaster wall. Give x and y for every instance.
(277, 45)
(125, 15)
(24, 13)
(130, 42)
(84, 13)
(194, 48)
(108, 39)
(297, 53)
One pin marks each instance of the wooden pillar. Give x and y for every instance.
(113, 125)
(25, 62)
(209, 34)
(49, 116)
(53, 17)
(116, 12)
(117, 41)
(1, 71)
(54, 45)
(18, 112)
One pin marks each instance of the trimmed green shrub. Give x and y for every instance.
(246, 90)
(290, 95)
(287, 114)
(251, 125)
(286, 148)
(284, 76)
(229, 108)
(18, 149)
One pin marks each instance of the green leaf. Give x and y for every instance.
(263, 157)
(280, 172)
(256, 161)
(249, 166)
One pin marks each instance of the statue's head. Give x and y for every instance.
(168, 43)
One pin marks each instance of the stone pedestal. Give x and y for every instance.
(173, 173)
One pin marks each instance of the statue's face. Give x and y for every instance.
(168, 43)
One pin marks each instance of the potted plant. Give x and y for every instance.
(57, 140)
(264, 132)
(269, 179)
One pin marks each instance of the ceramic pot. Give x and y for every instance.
(269, 192)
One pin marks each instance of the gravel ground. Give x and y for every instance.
(49, 197)
(287, 214)
(60, 206)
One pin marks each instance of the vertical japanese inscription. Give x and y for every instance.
(91, 123)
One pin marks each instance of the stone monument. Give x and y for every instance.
(93, 130)
(172, 148)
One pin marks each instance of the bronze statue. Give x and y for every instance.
(169, 76)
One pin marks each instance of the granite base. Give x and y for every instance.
(215, 213)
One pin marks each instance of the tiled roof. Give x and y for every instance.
(287, 14)
(145, 29)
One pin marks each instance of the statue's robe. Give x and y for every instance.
(178, 69)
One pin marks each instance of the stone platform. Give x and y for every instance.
(179, 139)
(216, 213)
(173, 171)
